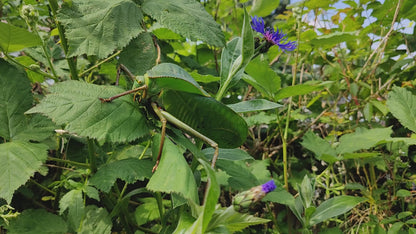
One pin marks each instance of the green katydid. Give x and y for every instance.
(189, 107)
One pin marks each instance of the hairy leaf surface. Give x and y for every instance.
(187, 18)
(19, 161)
(402, 104)
(77, 104)
(129, 170)
(37, 221)
(98, 27)
(140, 54)
(15, 99)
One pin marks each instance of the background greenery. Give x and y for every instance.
(332, 123)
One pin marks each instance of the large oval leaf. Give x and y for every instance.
(171, 76)
(77, 104)
(208, 116)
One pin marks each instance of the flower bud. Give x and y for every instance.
(243, 200)
(29, 14)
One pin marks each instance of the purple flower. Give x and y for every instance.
(276, 38)
(268, 186)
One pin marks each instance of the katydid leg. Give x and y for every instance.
(185, 127)
(144, 87)
(162, 140)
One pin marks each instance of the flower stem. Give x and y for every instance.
(71, 62)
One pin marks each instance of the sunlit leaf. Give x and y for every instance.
(402, 104)
(98, 27)
(254, 105)
(173, 173)
(362, 139)
(13, 38)
(77, 104)
(333, 207)
(187, 18)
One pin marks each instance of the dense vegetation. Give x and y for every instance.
(315, 100)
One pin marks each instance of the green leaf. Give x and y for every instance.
(187, 18)
(37, 221)
(320, 147)
(14, 39)
(210, 201)
(362, 138)
(235, 57)
(149, 210)
(171, 76)
(129, 170)
(98, 27)
(36, 128)
(306, 191)
(173, 173)
(207, 116)
(332, 39)
(228, 154)
(241, 177)
(139, 55)
(74, 203)
(296, 90)
(253, 105)
(403, 193)
(281, 196)
(77, 104)
(260, 118)
(262, 77)
(264, 7)
(19, 161)
(232, 220)
(333, 207)
(395, 228)
(402, 104)
(96, 220)
(15, 99)
(204, 78)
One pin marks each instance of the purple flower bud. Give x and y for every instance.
(268, 186)
(242, 201)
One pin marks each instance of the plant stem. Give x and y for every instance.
(158, 198)
(69, 162)
(43, 187)
(28, 68)
(101, 62)
(71, 62)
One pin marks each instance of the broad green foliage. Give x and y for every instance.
(171, 76)
(187, 18)
(77, 104)
(37, 221)
(402, 104)
(14, 101)
(20, 160)
(313, 99)
(231, 132)
(14, 38)
(140, 54)
(100, 27)
(129, 170)
(173, 173)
